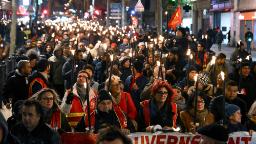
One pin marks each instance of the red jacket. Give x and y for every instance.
(78, 111)
(127, 105)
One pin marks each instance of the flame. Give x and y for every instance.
(85, 85)
(191, 56)
(222, 74)
(158, 63)
(248, 57)
(195, 77)
(213, 60)
(73, 52)
(188, 52)
(111, 57)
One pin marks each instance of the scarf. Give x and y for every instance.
(81, 91)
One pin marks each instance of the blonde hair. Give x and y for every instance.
(113, 78)
(38, 96)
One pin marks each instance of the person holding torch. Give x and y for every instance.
(75, 104)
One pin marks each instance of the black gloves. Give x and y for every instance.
(70, 98)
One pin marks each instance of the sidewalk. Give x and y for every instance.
(229, 50)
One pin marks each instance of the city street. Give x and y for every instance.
(127, 71)
(229, 50)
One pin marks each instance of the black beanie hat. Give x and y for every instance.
(245, 63)
(104, 95)
(42, 64)
(214, 131)
(138, 65)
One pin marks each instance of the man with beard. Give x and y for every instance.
(16, 87)
(108, 114)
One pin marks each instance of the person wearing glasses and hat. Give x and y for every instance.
(160, 109)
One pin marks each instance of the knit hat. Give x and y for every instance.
(230, 109)
(104, 95)
(138, 65)
(214, 131)
(245, 63)
(203, 78)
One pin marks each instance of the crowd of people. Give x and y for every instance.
(79, 76)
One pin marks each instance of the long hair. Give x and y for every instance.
(38, 96)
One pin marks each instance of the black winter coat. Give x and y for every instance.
(42, 134)
(16, 88)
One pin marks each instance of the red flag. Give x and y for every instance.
(175, 19)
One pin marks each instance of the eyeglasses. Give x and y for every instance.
(162, 92)
(200, 101)
(47, 98)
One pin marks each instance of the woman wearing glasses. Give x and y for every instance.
(49, 100)
(203, 116)
(159, 110)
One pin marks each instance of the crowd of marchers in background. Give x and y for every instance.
(79, 76)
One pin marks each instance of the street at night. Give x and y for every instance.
(127, 71)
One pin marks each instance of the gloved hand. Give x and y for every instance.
(70, 98)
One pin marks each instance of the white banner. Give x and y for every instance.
(183, 138)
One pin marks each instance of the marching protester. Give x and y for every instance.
(201, 57)
(122, 99)
(233, 114)
(218, 66)
(246, 82)
(19, 82)
(135, 83)
(53, 116)
(108, 114)
(40, 78)
(196, 116)
(32, 127)
(159, 110)
(71, 68)
(239, 55)
(74, 103)
(116, 81)
(230, 96)
(57, 61)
